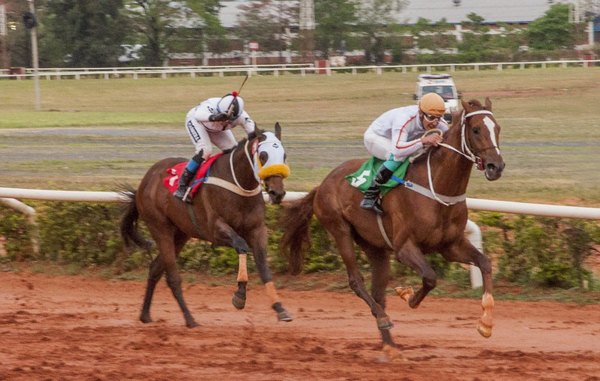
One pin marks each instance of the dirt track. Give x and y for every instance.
(75, 328)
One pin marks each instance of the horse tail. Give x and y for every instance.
(295, 222)
(129, 222)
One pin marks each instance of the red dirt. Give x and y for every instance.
(76, 328)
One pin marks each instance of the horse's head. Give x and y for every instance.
(480, 137)
(270, 166)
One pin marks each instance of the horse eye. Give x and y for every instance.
(263, 157)
(476, 130)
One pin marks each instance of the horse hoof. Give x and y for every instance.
(145, 319)
(284, 316)
(484, 330)
(192, 324)
(238, 302)
(384, 323)
(405, 292)
(391, 353)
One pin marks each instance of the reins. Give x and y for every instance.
(251, 162)
(465, 151)
(237, 188)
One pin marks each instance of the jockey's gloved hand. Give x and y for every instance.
(220, 117)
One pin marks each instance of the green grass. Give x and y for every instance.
(94, 133)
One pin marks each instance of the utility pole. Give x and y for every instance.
(3, 38)
(34, 58)
(307, 28)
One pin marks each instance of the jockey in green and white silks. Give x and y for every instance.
(397, 134)
(210, 123)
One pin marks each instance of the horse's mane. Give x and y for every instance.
(242, 142)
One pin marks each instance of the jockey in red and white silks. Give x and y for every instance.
(205, 130)
(210, 123)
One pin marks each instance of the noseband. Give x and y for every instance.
(260, 173)
(466, 151)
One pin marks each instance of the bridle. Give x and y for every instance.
(260, 173)
(251, 162)
(465, 151)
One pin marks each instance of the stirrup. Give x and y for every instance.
(186, 195)
(372, 204)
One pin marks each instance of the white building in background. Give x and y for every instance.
(456, 11)
(453, 12)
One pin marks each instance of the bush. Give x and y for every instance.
(529, 250)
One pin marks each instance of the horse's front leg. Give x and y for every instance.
(464, 252)
(239, 297)
(412, 256)
(258, 241)
(225, 235)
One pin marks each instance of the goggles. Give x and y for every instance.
(431, 118)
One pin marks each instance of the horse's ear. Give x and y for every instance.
(259, 133)
(278, 130)
(465, 105)
(488, 104)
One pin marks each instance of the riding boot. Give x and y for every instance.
(371, 197)
(184, 182)
(188, 174)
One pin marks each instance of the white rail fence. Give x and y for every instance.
(275, 70)
(10, 196)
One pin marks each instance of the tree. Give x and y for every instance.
(553, 30)
(475, 46)
(375, 16)
(267, 22)
(335, 20)
(86, 33)
(152, 20)
(214, 35)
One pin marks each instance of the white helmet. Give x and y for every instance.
(233, 102)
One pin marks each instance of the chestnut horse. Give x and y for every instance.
(228, 210)
(428, 214)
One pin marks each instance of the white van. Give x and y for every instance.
(443, 85)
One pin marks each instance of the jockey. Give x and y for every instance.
(397, 134)
(210, 123)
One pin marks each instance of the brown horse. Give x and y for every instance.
(228, 210)
(426, 215)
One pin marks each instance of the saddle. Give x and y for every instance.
(362, 178)
(171, 181)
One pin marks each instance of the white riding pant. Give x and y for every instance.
(378, 146)
(203, 139)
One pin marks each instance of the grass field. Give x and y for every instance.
(94, 134)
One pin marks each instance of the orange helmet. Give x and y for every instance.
(432, 104)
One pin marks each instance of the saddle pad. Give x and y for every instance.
(362, 178)
(171, 181)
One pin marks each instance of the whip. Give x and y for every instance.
(235, 94)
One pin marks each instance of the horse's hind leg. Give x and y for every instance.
(154, 274)
(412, 256)
(465, 252)
(169, 246)
(380, 275)
(345, 246)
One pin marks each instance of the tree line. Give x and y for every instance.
(86, 33)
